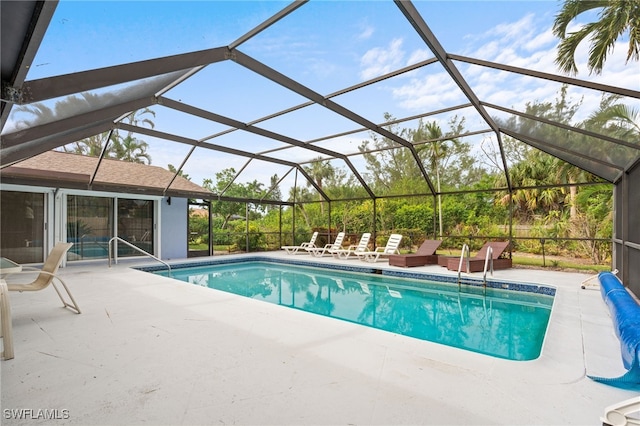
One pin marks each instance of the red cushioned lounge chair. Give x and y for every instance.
(426, 255)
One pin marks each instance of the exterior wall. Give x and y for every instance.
(173, 228)
(171, 219)
(627, 230)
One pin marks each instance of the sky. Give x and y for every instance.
(326, 46)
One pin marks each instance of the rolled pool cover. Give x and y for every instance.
(625, 313)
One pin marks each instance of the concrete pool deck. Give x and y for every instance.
(149, 349)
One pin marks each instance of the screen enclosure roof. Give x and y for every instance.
(273, 88)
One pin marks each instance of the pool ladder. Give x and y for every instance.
(465, 249)
(488, 264)
(135, 248)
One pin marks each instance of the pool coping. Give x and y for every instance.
(543, 289)
(154, 350)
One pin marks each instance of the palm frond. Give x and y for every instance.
(570, 10)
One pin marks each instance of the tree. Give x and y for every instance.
(615, 119)
(526, 172)
(440, 151)
(300, 196)
(173, 169)
(529, 202)
(319, 172)
(226, 185)
(274, 192)
(616, 18)
(390, 166)
(131, 149)
(127, 148)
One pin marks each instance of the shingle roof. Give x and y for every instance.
(75, 171)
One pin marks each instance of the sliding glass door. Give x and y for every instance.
(135, 225)
(91, 223)
(89, 226)
(22, 224)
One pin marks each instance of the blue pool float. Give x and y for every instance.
(625, 313)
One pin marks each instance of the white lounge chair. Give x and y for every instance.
(328, 248)
(46, 276)
(622, 413)
(362, 247)
(391, 248)
(294, 249)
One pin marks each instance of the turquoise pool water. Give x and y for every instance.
(495, 322)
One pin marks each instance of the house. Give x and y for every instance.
(59, 196)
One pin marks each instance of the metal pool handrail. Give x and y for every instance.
(465, 249)
(488, 260)
(136, 248)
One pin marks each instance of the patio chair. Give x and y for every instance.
(391, 248)
(5, 318)
(476, 263)
(622, 413)
(328, 248)
(294, 249)
(426, 255)
(46, 276)
(361, 247)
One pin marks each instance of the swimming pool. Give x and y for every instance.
(492, 321)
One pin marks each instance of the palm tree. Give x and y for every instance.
(91, 146)
(570, 174)
(320, 171)
(529, 201)
(137, 118)
(126, 148)
(437, 151)
(299, 196)
(616, 18)
(615, 119)
(40, 114)
(132, 150)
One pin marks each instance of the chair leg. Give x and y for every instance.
(5, 317)
(74, 306)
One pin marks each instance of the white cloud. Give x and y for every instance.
(378, 61)
(515, 33)
(488, 50)
(321, 68)
(366, 32)
(431, 92)
(540, 41)
(419, 55)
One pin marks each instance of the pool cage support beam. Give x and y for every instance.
(246, 220)
(375, 222)
(280, 225)
(417, 22)
(295, 207)
(211, 235)
(329, 240)
(261, 69)
(435, 215)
